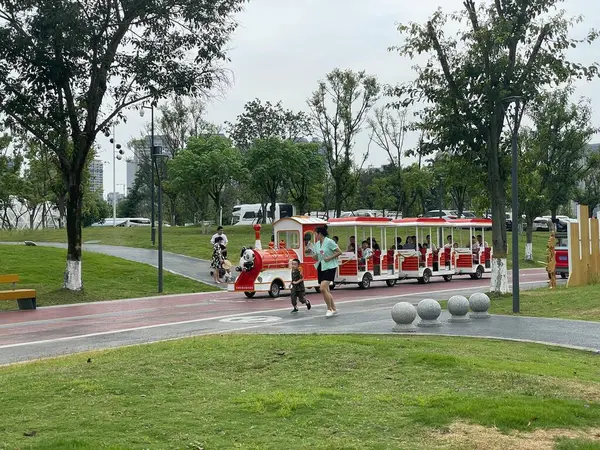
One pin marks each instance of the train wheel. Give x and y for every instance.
(391, 283)
(426, 276)
(318, 290)
(564, 275)
(250, 294)
(479, 273)
(447, 277)
(275, 289)
(366, 282)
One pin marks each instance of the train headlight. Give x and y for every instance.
(259, 279)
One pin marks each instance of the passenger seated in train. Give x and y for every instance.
(390, 257)
(430, 245)
(351, 244)
(398, 243)
(366, 254)
(481, 243)
(409, 244)
(308, 246)
(448, 241)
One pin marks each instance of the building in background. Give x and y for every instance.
(97, 176)
(141, 154)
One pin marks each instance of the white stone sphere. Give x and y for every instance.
(458, 305)
(404, 313)
(479, 302)
(429, 309)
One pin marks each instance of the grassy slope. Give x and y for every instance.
(104, 277)
(582, 303)
(275, 392)
(189, 241)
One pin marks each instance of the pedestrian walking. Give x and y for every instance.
(326, 252)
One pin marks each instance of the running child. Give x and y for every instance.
(297, 287)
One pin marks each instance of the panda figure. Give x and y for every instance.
(246, 260)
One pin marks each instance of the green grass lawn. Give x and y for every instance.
(293, 392)
(104, 277)
(189, 240)
(582, 303)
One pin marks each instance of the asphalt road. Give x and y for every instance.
(59, 330)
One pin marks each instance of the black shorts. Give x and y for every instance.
(326, 275)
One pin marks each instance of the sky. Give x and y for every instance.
(283, 48)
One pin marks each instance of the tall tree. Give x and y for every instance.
(509, 48)
(180, 119)
(588, 190)
(61, 62)
(270, 166)
(211, 163)
(388, 130)
(265, 120)
(562, 131)
(308, 173)
(339, 107)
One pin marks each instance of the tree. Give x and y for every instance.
(308, 171)
(265, 120)
(532, 199)
(95, 208)
(458, 177)
(61, 62)
(269, 164)
(388, 130)
(562, 131)
(339, 108)
(588, 191)
(180, 119)
(207, 164)
(510, 48)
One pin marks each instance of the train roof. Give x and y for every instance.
(421, 222)
(303, 220)
(459, 223)
(360, 221)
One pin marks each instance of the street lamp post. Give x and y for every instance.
(115, 157)
(155, 157)
(153, 228)
(515, 202)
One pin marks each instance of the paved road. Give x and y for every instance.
(194, 268)
(52, 331)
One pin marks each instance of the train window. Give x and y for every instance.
(290, 239)
(309, 239)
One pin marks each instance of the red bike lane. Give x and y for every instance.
(70, 321)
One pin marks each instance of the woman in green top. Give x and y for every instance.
(326, 252)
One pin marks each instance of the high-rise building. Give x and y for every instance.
(97, 176)
(142, 153)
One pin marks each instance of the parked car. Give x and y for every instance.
(445, 213)
(541, 224)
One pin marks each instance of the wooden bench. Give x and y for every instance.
(26, 298)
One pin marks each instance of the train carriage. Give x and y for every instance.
(469, 257)
(357, 265)
(423, 254)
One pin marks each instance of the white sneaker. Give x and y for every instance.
(334, 313)
(329, 314)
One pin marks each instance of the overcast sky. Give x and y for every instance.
(283, 47)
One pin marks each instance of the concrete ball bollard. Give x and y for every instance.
(480, 304)
(404, 314)
(429, 310)
(458, 307)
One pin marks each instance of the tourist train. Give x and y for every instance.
(374, 249)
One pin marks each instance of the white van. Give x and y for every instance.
(249, 214)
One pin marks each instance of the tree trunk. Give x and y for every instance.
(72, 279)
(339, 198)
(499, 281)
(529, 244)
(217, 198)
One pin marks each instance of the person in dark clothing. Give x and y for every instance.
(297, 287)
